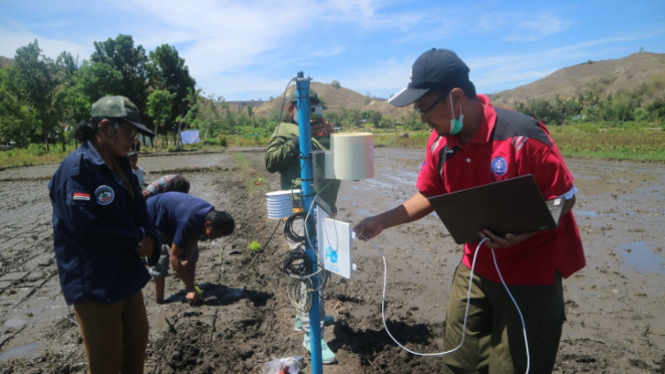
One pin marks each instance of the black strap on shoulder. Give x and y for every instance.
(510, 124)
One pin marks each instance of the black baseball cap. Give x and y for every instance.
(436, 68)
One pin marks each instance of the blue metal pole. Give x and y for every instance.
(306, 176)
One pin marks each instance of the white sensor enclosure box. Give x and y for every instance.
(334, 240)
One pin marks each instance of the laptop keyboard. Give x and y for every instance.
(555, 205)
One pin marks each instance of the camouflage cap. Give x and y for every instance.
(312, 95)
(119, 107)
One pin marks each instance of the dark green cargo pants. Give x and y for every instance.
(494, 341)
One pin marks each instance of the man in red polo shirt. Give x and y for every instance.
(472, 144)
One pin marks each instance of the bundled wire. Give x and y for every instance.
(298, 293)
(296, 264)
(291, 234)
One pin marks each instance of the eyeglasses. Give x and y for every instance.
(424, 112)
(130, 130)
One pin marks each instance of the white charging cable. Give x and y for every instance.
(466, 311)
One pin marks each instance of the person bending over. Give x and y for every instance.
(167, 183)
(181, 220)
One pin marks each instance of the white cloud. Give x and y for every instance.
(244, 86)
(521, 26)
(382, 80)
(13, 40)
(535, 29)
(488, 22)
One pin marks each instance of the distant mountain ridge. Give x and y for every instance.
(618, 76)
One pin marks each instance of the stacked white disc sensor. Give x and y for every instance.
(280, 203)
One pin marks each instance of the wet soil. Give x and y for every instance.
(614, 306)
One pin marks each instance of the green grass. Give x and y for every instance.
(26, 157)
(242, 141)
(248, 174)
(401, 139)
(631, 141)
(635, 142)
(608, 145)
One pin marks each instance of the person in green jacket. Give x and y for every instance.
(284, 148)
(282, 156)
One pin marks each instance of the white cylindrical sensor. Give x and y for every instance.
(351, 157)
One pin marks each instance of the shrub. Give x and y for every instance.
(37, 149)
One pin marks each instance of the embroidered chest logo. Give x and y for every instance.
(499, 166)
(105, 195)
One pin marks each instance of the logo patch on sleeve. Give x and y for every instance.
(81, 196)
(105, 195)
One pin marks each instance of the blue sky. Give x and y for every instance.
(250, 49)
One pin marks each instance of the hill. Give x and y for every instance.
(5, 62)
(334, 99)
(642, 73)
(619, 76)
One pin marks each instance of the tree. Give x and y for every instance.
(192, 100)
(158, 108)
(16, 119)
(335, 84)
(90, 83)
(130, 61)
(375, 117)
(334, 117)
(250, 112)
(36, 85)
(66, 66)
(64, 69)
(571, 108)
(656, 110)
(167, 71)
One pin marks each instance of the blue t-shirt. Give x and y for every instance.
(178, 217)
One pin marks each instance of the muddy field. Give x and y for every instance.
(616, 322)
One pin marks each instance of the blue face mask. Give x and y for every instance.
(456, 124)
